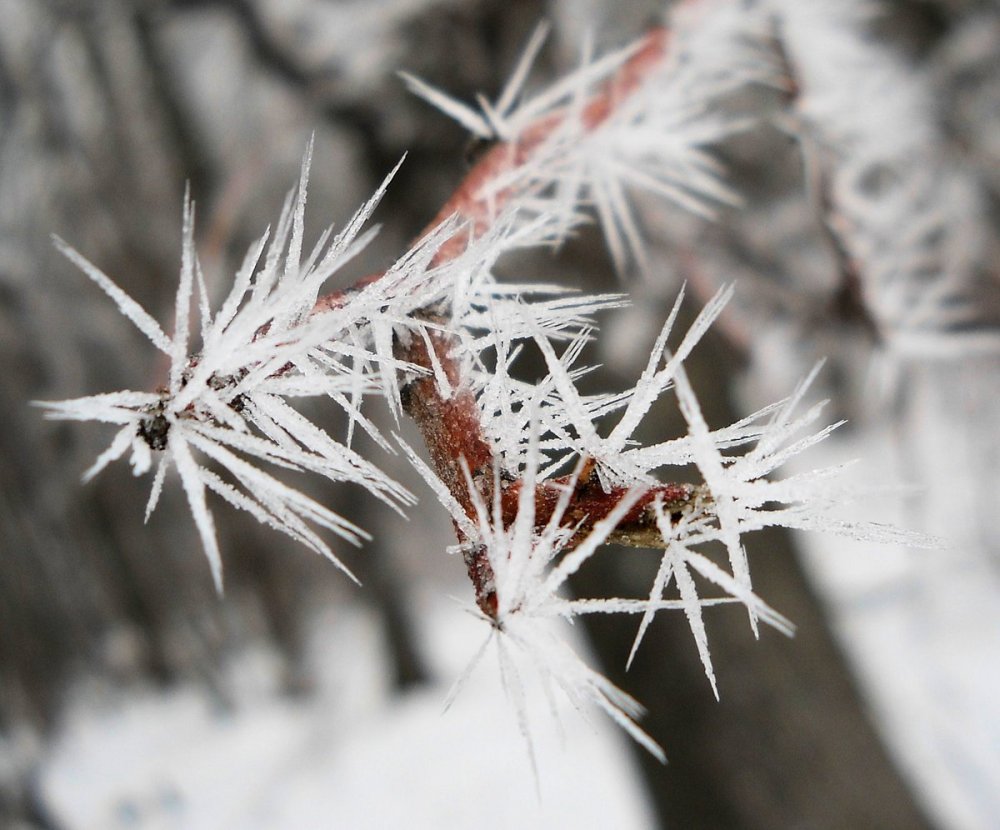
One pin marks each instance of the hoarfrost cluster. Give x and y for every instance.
(640, 119)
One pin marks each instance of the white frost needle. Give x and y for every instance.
(126, 305)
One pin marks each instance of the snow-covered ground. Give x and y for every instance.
(350, 755)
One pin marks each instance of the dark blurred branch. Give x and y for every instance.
(847, 305)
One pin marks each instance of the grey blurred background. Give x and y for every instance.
(107, 107)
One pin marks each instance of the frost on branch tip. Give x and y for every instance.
(638, 120)
(527, 534)
(224, 414)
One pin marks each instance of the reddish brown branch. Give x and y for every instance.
(468, 202)
(590, 503)
(451, 425)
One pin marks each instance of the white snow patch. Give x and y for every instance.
(350, 755)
